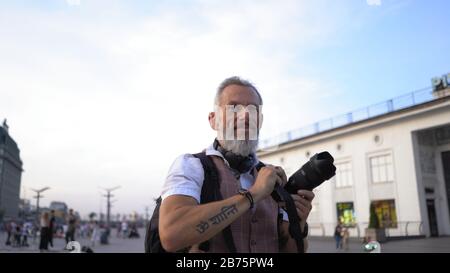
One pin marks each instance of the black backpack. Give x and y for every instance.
(210, 193)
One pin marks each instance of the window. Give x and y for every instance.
(381, 168)
(344, 174)
(386, 213)
(346, 214)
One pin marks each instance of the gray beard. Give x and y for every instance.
(240, 147)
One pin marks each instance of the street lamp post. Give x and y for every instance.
(108, 196)
(39, 196)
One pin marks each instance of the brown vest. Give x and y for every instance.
(256, 230)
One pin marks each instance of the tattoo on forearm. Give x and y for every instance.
(218, 218)
(202, 227)
(223, 215)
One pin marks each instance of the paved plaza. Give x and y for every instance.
(422, 245)
(316, 245)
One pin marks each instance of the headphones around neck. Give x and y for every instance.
(240, 163)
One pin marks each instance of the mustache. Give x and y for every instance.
(246, 124)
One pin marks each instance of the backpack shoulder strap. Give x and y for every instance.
(152, 240)
(211, 184)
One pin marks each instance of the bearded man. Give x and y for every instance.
(243, 217)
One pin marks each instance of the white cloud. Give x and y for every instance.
(73, 2)
(113, 100)
(373, 2)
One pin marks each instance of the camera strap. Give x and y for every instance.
(279, 194)
(294, 219)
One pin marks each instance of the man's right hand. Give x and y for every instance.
(265, 182)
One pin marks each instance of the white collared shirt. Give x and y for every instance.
(186, 177)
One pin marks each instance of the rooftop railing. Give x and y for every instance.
(411, 99)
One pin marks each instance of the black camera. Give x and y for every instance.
(318, 169)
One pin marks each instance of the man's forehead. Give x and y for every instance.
(237, 94)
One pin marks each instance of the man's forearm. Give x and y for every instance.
(189, 225)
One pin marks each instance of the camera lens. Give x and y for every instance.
(313, 173)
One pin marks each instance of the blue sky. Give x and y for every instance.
(93, 90)
(395, 52)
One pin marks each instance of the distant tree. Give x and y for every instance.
(373, 221)
(92, 215)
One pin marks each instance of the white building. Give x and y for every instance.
(395, 154)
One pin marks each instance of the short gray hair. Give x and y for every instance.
(237, 81)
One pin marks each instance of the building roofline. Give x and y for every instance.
(299, 141)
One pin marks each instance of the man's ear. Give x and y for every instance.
(212, 120)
